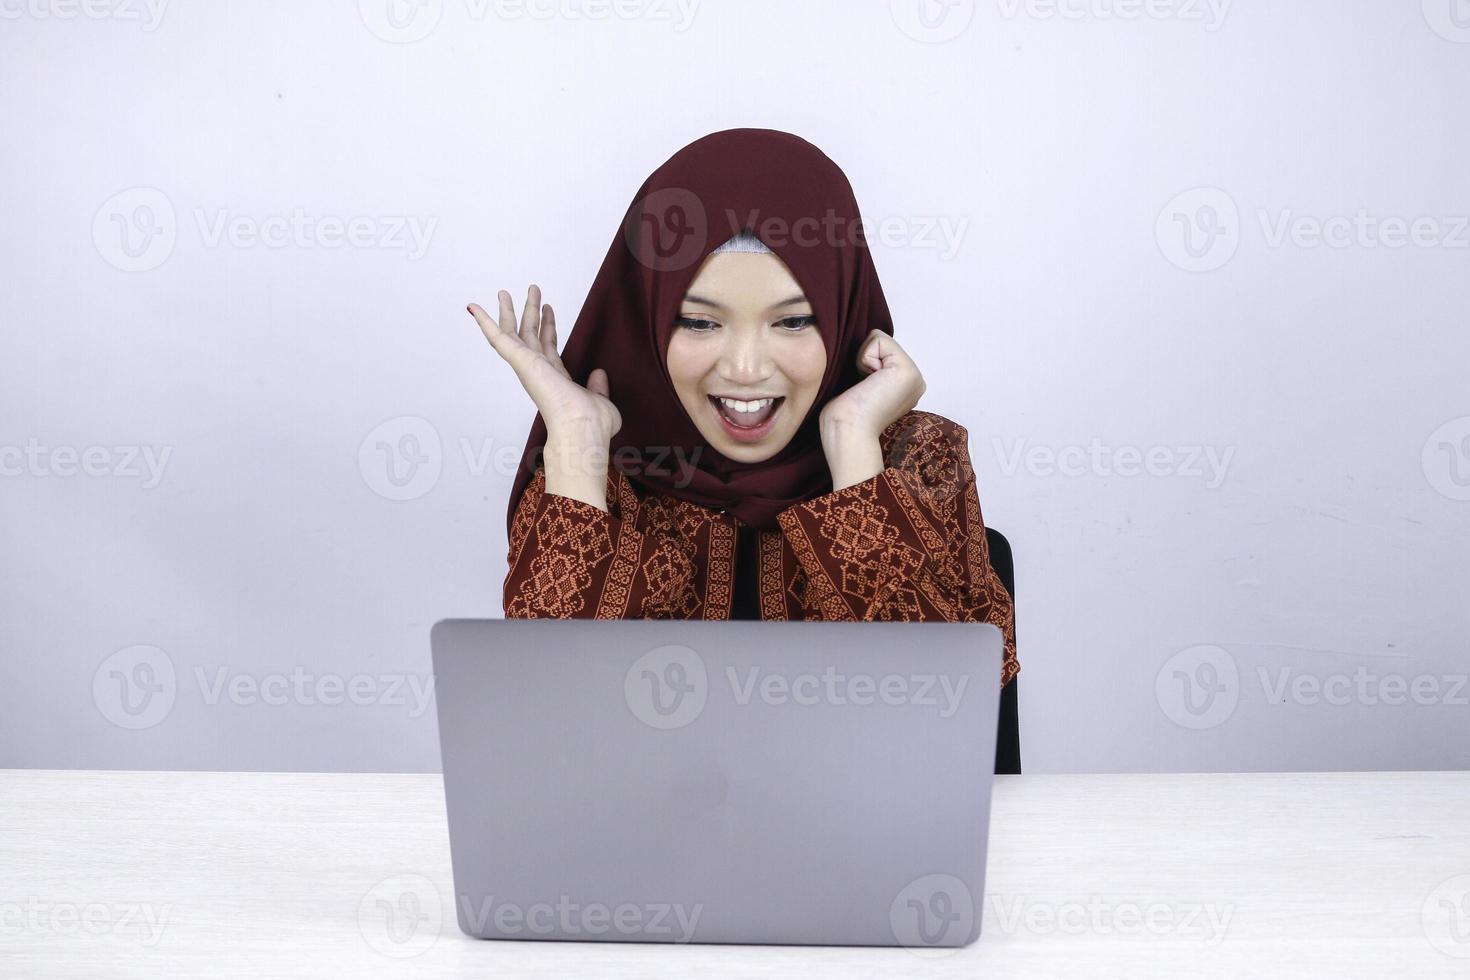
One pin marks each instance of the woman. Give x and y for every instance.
(731, 430)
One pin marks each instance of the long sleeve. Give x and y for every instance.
(570, 560)
(907, 544)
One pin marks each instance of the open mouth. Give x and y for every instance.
(747, 420)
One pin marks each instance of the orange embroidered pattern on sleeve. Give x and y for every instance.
(770, 577)
(907, 545)
(670, 566)
(720, 581)
(615, 592)
(567, 543)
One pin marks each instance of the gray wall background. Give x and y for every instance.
(1194, 276)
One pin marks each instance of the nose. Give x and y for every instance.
(745, 358)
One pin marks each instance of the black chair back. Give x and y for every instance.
(1008, 737)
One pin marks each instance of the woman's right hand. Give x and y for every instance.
(580, 421)
(569, 409)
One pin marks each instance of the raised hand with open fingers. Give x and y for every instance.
(570, 410)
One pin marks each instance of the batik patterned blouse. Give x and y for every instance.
(907, 544)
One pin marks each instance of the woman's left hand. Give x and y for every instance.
(892, 388)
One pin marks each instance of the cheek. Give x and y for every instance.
(685, 362)
(807, 362)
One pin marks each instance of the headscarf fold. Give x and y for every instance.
(796, 200)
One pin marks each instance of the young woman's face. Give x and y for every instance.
(746, 356)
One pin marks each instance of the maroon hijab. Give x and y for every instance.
(799, 203)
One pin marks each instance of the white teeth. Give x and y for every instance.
(739, 406)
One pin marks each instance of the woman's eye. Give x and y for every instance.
(795, 323)
(695, 323)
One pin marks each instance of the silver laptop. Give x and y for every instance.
(718, 782)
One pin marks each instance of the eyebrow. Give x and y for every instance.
(691, 298)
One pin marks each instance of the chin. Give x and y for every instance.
(747, 453)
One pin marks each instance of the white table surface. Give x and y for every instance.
(161, 875)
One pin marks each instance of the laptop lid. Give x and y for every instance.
(726, 782)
